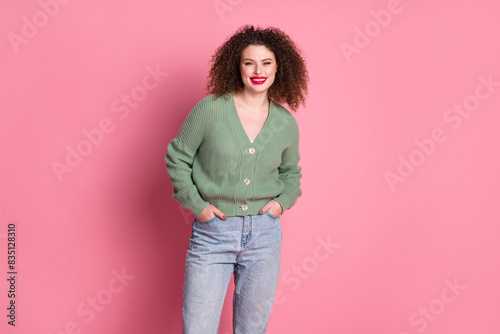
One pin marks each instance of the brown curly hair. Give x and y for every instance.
(290, 83)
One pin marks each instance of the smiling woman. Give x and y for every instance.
(234, 164)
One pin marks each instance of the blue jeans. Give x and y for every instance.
(249, 247)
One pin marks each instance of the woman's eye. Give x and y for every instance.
(248, 63)
(267, 63)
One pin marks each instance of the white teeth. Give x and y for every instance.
(258, 79)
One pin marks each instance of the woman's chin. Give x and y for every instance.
(254, 89)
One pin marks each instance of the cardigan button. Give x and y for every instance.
(251, 150)
(244, 207)
(246, 181)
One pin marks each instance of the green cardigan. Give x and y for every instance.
(212, 160)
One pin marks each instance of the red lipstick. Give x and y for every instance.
(258, 80)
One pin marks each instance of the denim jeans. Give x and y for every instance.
(249, 247)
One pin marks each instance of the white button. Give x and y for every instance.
(244, 207)
(246, 181)
(251, 150)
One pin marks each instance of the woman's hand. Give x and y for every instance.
(209, 212)
(274, 208)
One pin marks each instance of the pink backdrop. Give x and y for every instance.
(396, 231)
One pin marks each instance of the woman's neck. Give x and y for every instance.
(257, 101)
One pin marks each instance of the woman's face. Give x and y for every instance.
(258, 68)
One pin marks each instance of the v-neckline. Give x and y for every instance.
(239, 126)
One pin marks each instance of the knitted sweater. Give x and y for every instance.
(212, 160)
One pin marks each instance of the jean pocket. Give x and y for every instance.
(270, 215)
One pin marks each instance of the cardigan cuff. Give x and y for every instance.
(284, 201)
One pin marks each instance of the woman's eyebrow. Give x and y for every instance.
(261, 60)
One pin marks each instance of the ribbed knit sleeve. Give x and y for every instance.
(179, 159)
(289, 170)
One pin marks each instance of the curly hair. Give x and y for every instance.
(290, 83)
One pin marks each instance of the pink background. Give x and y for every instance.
(395, 248)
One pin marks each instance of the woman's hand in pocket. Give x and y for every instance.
(274, 208)
(209, 212)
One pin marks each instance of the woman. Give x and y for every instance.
(234, 164)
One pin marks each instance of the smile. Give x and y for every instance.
(258, 80)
